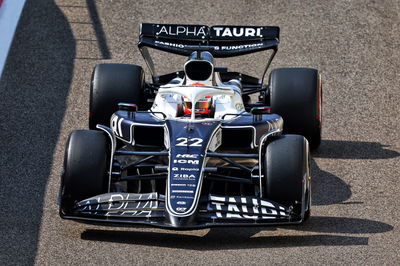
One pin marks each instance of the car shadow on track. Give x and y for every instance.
(246, 238)
(330, 189)
(34, 89)
(327, 188)
(344, 149)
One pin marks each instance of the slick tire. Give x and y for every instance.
(110, 85)
(85, 167)
(286, 170)
(296, 95)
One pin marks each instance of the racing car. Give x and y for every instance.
(191, 149)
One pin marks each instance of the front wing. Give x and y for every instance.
(149, 209)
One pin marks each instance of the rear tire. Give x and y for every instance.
(286, 171)
(112, 84)
(85, 167)
(296, 95)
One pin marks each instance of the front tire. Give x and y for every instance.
(86, 162)
(296, 95)
(287, 173)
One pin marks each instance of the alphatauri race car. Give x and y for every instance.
(191, 149)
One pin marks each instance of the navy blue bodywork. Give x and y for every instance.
(184, 206)
(124, 124)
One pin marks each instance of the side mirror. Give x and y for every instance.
(260, 110)
(127, 107)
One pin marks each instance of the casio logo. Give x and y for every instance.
(237, 32)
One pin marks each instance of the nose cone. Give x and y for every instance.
(188, 143)
(181, 222)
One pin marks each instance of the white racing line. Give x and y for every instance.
(10, 11)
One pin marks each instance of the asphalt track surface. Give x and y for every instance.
(44, 95)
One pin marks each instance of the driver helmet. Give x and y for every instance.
(203, 106)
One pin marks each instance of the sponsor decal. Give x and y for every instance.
(122, 128)
(183, 197)
(189, 169)
(183, 191)
(183, 177)
(206, 123)
(245, 208)
(116, 125)
(178, 185)
(217, 48)
(239, 106)
(121, 204)
(184, 161)
(171, 30)
(237, 31)
(240, 47)
(185, 155)
(177, 45)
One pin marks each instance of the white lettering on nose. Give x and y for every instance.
(255, 206)
(113, 198)
(218, 205)
(233, 207)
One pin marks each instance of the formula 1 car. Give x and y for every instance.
(191, 149)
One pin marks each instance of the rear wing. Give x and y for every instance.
(220, 41)
(224, 41)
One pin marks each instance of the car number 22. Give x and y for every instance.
(194, 142)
